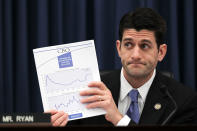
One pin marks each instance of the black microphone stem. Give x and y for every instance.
(172, 113)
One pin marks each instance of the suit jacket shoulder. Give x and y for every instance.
(169, 102)
(112, 81)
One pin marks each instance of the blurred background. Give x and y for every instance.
(29, 24)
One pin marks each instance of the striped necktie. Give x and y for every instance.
(133, 111)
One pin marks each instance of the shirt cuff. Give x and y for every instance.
(124, 121)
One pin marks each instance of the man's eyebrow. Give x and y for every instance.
(148, 41)
(127, 39)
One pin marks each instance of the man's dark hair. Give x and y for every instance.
(144, 18)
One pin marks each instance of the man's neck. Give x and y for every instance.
(137, 82)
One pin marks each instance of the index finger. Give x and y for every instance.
(98, 84)
(51, 111)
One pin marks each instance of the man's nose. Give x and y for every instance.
(136, 53)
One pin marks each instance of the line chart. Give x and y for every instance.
(67, 80)
(66, 102)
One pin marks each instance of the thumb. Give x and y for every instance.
(51, 111)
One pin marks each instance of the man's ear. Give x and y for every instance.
(162, 52)
(118, 44)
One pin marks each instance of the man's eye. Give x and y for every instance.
(127, 45)
(144, 46)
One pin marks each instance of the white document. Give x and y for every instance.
(63, 71)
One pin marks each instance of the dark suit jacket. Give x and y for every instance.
(178, 103)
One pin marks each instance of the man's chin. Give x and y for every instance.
(137, 74)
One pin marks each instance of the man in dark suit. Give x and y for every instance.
(138, 94)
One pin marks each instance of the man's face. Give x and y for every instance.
(139, 53)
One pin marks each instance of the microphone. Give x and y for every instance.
(163, 87)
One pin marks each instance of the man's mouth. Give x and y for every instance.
(136, 63)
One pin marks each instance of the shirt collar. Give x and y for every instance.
(143, 90)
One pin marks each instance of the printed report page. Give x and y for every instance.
(63, 71)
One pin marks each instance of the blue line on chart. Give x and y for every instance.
(85, 79)
(71, 101)
(56, 57)
(63, 47)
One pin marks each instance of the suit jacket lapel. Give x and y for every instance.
(157, 106)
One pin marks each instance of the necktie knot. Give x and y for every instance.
(134, 95)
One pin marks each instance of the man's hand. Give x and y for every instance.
(101, 97)
(58, 118)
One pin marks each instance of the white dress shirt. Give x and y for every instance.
(124, 100)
